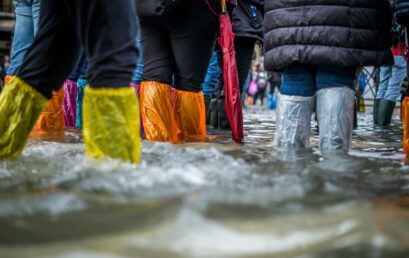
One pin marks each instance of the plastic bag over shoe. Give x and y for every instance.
(52, 118)
(111, 124)
(293, 121)
(190, 116)
(335, 109)
(20, 106)
(157, 112)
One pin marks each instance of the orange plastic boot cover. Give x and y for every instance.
(158, 117)
(190, 116)
(52, 118)
(7, 79)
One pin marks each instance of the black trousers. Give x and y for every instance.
(177, 48)
(105, 29)
(244, 47)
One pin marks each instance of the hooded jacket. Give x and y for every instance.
(343, 33)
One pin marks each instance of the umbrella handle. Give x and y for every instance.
(224, 6)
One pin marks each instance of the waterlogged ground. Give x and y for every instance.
(210, 200)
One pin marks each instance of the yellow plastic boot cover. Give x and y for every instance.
(52, 118)
(20, 106)
(111, 124)
(157, 112)
(190, 116)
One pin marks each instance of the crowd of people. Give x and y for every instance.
(155, 69)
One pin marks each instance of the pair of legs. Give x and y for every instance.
(391, 79)
(107, 33)
(176, 52)
(27, 18)
(332, 87)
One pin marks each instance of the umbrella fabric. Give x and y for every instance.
(231, 79)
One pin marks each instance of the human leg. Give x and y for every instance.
(155, 91)
(23, 101)
(23, 34)
(192, 39)
(295, 105)
(110, 109)
(335, 106)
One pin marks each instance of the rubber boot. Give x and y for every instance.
(157, 112)
(20, 106)
(293, 121)
(375, 111)
(385, 112)
(207, 111)
(190, 116)
(405, 125)
(335, 108)
(222, 115)
(70, 106)
(214, 112)
(111, 124)
(52, 118)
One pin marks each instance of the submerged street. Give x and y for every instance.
(214, 199)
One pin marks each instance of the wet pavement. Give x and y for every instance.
(212, 200)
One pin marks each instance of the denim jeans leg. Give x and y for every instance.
(212, 77)
(36, 14)
(335, 77)
(395, 82)
(23, 34)
(385, 76)
(138, 75)
(299, 80)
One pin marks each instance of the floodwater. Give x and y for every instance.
(210, 200)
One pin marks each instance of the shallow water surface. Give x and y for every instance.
(214, 199)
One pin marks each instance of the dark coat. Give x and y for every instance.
(247, 24)
(344, 33)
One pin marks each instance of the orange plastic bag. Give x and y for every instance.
(249, 101)
(7, 79)
(190, 116)
(405, 123)
(52, 118)
(158, 117)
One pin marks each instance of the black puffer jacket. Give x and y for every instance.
(344, 33)
(248, 22)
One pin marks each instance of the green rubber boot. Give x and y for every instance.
(385, 112)
(375, 111)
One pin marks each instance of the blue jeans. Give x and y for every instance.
(27, 16)
(391, 80)
(137, 78)
(306, 80)
(212, 77)
(80, 69)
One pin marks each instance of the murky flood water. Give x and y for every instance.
(210, 200)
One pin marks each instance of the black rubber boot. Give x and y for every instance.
(375, 111)
(207, 111)
(213, 112)
(385, 112)
(222, 115)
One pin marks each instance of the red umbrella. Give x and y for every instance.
(230, 75)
